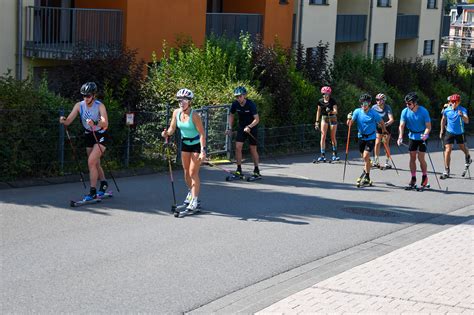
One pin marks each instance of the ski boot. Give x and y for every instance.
(335, 158)
(424, 184)
(254, 177)
(365, 182)
(387, 166)
(360, 177)
(321, 159)
(91, 196)
(466, 166)
(411, 184)
(102, 188)
(375, 163)
(445, 174)
(193, 207)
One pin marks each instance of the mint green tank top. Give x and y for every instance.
(189, 133)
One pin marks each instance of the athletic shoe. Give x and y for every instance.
(193, 205)
(188, 198)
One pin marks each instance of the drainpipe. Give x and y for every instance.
(300, 22)
(370, 28)
(19, 41)
(440, 32)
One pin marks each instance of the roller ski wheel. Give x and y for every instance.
(235, 176)
(254, 177)
(334, 159)
(423, 188)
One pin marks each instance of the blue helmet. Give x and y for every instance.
(240, 90)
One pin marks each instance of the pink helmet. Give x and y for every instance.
(326, 90)
(381, 96)
(455, 98)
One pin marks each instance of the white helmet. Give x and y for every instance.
(185, 93)
(381, 96)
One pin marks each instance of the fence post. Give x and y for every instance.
(127, 149)
(228, 138)
(206, 124)
(61, 142)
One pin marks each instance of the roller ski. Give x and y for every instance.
(237, 175)
(424, 184)
(385, 167)
(192, 208)
(321, 159)
(254, 177)
(91, 199)
(466, 166)
(365, 181)
(412, 184)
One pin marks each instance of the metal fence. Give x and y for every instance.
(33, 143)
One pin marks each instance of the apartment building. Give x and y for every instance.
(377, 28)
(43, 33)
(461, 30)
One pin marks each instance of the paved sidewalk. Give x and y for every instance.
(433, 275)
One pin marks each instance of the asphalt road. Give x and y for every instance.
(129, 254)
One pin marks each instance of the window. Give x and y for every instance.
(428, 47)
(383, 3)
(431, 4)
(283, 1)
(319, 2)
(380, 50)
(456, 31)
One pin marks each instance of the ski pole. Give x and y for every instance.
(102, 154)
(168, 155)
(347, 149)
(271, 155)
(387, 149)
(217, 166)
(432, 165)
(75, 157)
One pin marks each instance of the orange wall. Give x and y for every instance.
(149, 22)
(277, 18)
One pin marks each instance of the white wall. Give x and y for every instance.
(430, 22)
(8, 37)
(384, 25)
(319, 23)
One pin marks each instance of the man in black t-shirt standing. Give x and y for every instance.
(247, 128)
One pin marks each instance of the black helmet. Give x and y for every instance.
(88, 88)
(365, 98)
(240, 90)
(411, 97)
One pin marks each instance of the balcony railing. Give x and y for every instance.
(351, 28)
(232, 24)
(407, 26)
(53, 33)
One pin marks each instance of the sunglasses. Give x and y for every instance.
(365, 104)
(379, 99)
(87, 96)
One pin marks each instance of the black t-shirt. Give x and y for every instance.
(330, 104)
(245, 112)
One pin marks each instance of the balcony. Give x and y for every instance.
(407, 26)
(231, 25)
(351, 28)
(53, 33)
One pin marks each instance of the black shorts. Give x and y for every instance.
(102, 138)
(449, 138)
(242, 135)
(196, 148)
(416, 145)
(366, 145)
(389, 130)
